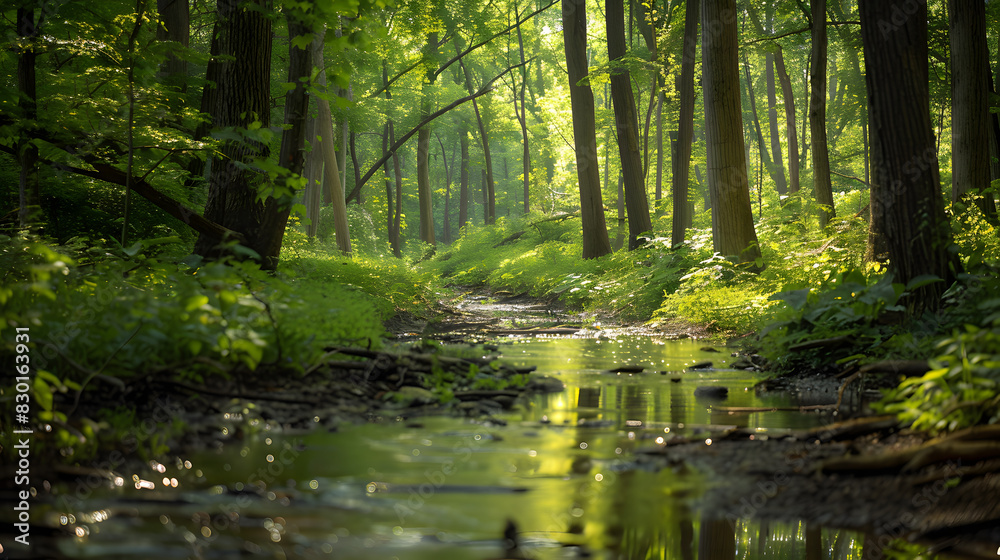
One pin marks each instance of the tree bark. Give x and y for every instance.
(424, 149)
(196, 166)
(175, 25)
(29, 198)
(791, 130)
(314, 176)
(970, 76)
(463, 189)
(489, 203)
(291, 155)
(243, 97)
(822, 187)
(626, 123)
(523, 117)
(314, 159)
(778, 170)
(682, 218)
(761, 145)
(595, 232)
(394, 236)
(917, 233)
(733, 232)
(446, 230)
(331, 177)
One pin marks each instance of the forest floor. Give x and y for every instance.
(864, 474)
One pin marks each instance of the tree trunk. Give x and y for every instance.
(313, 172)
(765, 157)
(486, 206)
(196, 165)
(817, 115)
(424, 150)
(682, 218)
(716, 537)
(595, 232)
(790, 121)
(659, 152)
(243, 97)
(917, 233)
(733, 232)
(175, 25)
(446, 233)
(29, 209)
(392, 208)
(463, 189)
(314, 160)
(291, 155)
(394, 236)
(523, 117)
(626, 123)
(331, 177)
(489, 203)
(323, 143)
(352, 144)
(778, 169)
(970, 76)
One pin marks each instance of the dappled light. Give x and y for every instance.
(500, 280)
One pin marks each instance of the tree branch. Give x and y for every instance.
(457, 57)
(402, 140)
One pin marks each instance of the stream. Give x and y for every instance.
(556, 470)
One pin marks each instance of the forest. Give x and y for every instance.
(759, 241)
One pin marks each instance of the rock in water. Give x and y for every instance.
(711, 392)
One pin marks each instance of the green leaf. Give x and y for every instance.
(43, 393)
(796, 299)
(303, 41)
(921, 281)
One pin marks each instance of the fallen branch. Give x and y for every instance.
(820, 343)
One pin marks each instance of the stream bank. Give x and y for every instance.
(627, 456)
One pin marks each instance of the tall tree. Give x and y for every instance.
(733, 232)
(761, 145)
(918, 237)
(627, 125)
(489, 200)
(325, 140)
(970, 76)
(791, 130)
(775, 169)
(27, 151)
(393, 196)
(424, 146)
(243, 97)
(521, 116)
(822, 187)
(463, 188)
(291, 155)
(682, 218)
(595, 232)
(175, 25)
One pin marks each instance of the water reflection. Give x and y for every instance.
(560, 469)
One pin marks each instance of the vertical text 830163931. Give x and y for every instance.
(22, 435)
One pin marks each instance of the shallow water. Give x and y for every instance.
(439, 487)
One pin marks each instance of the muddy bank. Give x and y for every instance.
(347, 386)
(841, 478)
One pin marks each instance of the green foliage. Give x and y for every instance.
(155, 314)
(963, 387)
(366, 288)
(849, 308)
